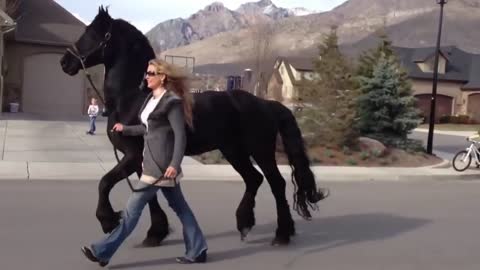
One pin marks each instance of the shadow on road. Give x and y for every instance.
(313, 237)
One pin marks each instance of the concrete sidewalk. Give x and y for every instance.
(42, 149)
(56, 141)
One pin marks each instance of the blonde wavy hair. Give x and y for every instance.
(177, 81)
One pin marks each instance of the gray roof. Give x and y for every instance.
(300, 63)
(46, 22)
(462, 67)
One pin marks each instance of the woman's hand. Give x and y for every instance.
(117, 127)
(171, 172)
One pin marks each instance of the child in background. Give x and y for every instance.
(92, 113)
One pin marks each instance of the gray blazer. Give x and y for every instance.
(165, 140)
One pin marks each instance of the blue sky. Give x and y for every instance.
(145, 14)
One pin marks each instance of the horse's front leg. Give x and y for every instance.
(105, 214)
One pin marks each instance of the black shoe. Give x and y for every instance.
(202, 258)
(89, 254)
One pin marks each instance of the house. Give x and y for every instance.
(458, 88)
(34, 77)
(284, 81)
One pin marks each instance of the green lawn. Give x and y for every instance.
(453, 127)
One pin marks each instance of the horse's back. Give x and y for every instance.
(236, 117)
(237, 105)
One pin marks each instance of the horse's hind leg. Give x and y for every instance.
(286, 227)
(253, 179)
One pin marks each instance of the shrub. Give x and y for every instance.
(463, 119)
(352, 162)
(444, 119)
(365, 155)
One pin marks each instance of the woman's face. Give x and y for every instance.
(154, 79)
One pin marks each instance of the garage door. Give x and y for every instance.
(473, 108)
(443, 106)
(47, 90)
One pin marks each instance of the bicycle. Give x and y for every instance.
(465, 156)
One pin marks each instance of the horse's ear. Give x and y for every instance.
(103, 11)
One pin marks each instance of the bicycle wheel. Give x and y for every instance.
(461, 161)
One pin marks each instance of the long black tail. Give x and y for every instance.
(306, 194)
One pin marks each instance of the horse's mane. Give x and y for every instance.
(133, 36)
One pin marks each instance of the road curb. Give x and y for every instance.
(320, 178)
(442, 165)
(38, 171)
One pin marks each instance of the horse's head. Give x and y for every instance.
(88, 50)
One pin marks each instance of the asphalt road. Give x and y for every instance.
(445, 146)
(363, 225)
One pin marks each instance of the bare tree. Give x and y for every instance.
(262, 36)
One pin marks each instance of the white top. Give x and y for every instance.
(92, 110)
(151, 104)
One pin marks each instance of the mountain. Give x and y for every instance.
(263, 10)
(300, 11)
(213, 19)
(409, 23)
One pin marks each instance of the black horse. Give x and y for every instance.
(237, 123)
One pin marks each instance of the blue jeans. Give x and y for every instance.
(193, 237)
(92, 124)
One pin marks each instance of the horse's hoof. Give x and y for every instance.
(325, 192)
(152, 242)
(155, 238)
(244, 233)
(322, 194)
(280, 241)
(109, 224)
(119, 215)
(108, 228)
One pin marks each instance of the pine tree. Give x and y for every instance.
(386, 106)
(331, 101)
(370, 58)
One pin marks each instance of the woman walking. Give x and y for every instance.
(163, 116)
